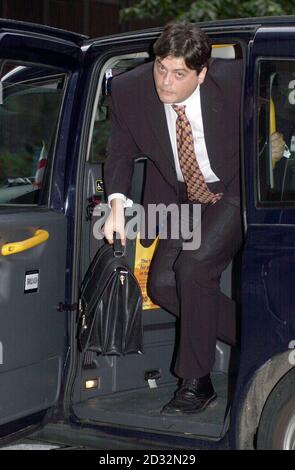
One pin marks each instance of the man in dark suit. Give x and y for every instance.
(182, 112)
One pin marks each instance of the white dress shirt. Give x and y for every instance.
(194, 114)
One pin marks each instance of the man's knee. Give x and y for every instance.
(152, 288)
(160, 285)
(194, 270)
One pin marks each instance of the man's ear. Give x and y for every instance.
(202, 75)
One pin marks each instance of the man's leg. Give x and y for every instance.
(188, 280)
(206, 313)
(197, 275)
(161, 285)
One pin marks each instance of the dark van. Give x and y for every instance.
(55, 113)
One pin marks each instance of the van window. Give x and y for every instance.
(276, 120)
(102, 117)
(30, 101)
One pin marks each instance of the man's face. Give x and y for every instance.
(174, 81)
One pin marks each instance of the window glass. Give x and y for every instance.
(30, 101)
(276, 131)
(102, 122)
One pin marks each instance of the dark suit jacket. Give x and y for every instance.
(139, 128)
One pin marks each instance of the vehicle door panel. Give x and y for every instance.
(268, 273)
(32, 281)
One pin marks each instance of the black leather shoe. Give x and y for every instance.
(193, 396)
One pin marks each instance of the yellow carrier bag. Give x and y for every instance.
(143, 257)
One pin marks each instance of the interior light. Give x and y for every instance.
(93, 383)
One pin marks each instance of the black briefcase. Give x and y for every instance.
(110, 305)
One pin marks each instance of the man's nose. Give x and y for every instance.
(167, 79)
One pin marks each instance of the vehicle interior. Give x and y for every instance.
(129, 391)
(32, 98)
(276, 115)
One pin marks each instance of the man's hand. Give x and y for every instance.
(115, 222)
(277, 146)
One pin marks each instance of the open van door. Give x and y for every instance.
(38, 74)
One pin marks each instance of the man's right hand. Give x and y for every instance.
(115, 222)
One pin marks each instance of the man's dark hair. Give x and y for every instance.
(185, 40)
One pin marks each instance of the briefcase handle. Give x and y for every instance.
(119, 249)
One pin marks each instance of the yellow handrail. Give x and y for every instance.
(216, 46)
(40, 236)
(272, 117)
(272, 122)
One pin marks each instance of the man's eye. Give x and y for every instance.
(179, 75)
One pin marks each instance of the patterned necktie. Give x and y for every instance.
(197, 189)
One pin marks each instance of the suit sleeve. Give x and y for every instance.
(121, 149)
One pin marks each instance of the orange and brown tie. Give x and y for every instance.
(197, 189)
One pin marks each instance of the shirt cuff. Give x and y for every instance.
(287, 152)
(127, 202)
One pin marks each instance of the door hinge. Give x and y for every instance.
(67, 307)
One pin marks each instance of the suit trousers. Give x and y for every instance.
(187, 284)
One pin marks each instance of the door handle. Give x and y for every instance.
(39, 237)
